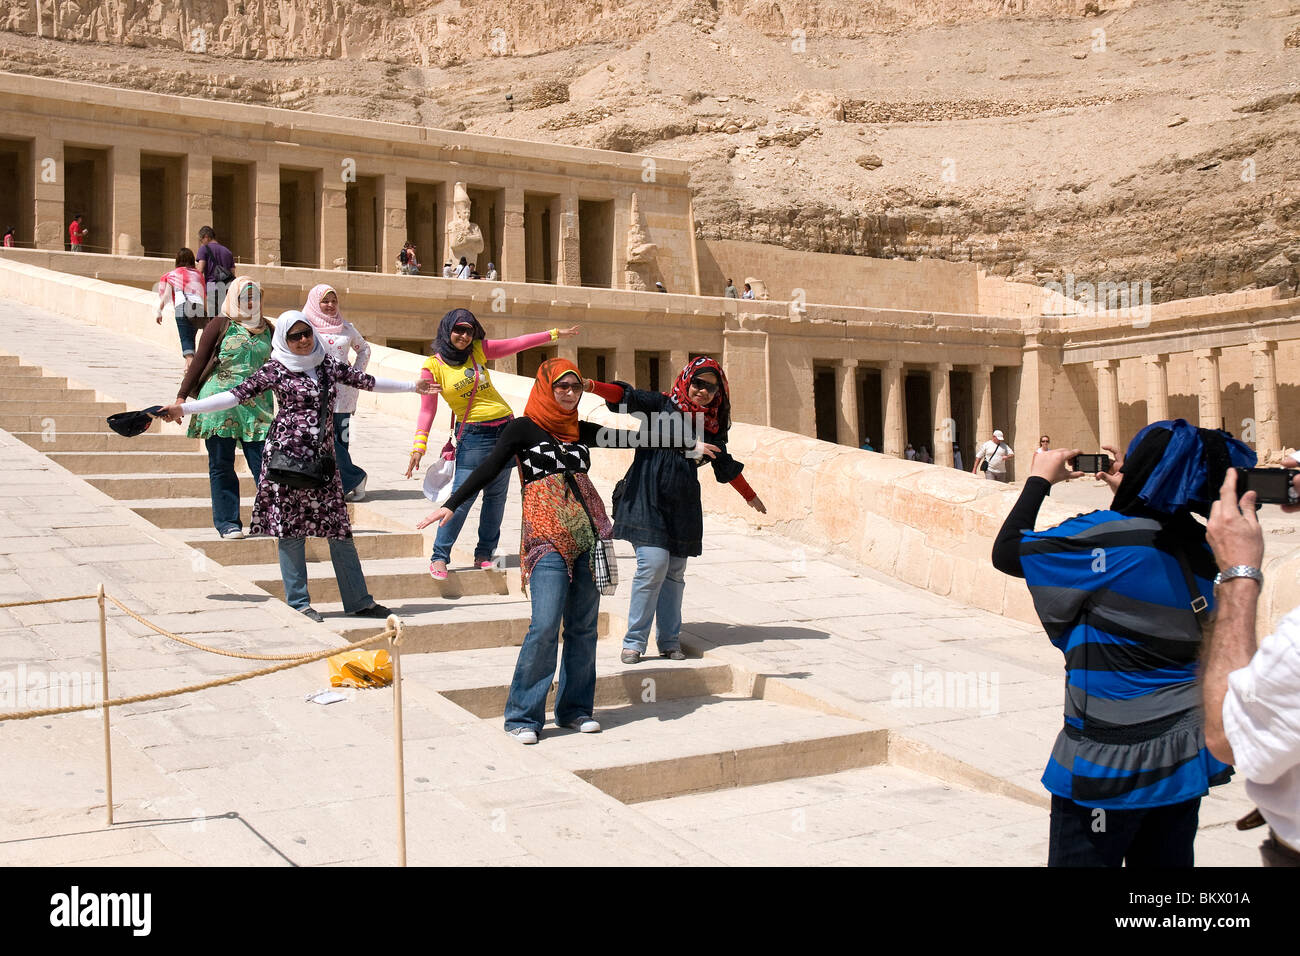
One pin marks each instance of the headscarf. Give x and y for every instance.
(1173, 466)
(280, 344)
(542, 407)
(233, 307)
(320, 321)
(442, 342)
(717, 414)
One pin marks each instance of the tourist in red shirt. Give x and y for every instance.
(183, 290)
(76, 233)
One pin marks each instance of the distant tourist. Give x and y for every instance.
(731, 292)
(338, 336)
(866, 442)
(77, 233)
(991, 458)
(448, 270)
(464, 271)
(909, 452)
(956, 457)
(182, 291)
(659, 287)
(1044, 444)
(216, 264)
(9, 237)
(492, 275)
(407, 263)
(749, 293)
(923, 455)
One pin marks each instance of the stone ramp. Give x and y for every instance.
(786, 639)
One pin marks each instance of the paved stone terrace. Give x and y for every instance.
(813, 628)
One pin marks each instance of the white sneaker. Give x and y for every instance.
(358, 493)
(524, 735)
(584, 725)
(232, 534)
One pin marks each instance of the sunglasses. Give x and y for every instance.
(567, 386)
(299, 336)
(703, 386)
(462, 330)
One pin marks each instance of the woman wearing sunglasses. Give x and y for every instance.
(552, 449)
(297, 372)
(459, 367)
(659, 510)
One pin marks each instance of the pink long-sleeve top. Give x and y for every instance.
(491, 349)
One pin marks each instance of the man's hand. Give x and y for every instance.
(1233, 530)
(1112, 477)
(1292, 463)
(1053, 466)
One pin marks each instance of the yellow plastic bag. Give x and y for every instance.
(361, 669)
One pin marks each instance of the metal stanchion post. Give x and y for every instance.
(103, 666)
(394, 644)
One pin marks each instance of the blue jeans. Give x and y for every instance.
(557, 600)
(223, 480)
(476, 444)
(347, 569)
(1147, 837)
(187, 331)
(349, 474)
(656, 592)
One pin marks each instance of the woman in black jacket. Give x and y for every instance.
(657, 504)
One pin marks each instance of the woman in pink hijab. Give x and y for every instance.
(338, 336)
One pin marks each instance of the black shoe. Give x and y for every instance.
(676, 654)
(312, 613)
(375, 610)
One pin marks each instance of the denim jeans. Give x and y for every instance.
(1147, 837)
(347, 569)
(223, 480)
(188, 333)
(656, 593)
(557, 600)
(349, 474)
(475, 446)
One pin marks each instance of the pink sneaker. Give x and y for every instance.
(438, 570)
(486, 565)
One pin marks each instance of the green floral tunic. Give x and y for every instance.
(242, 354)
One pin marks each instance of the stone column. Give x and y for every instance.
(1268, 433)
(570, 270)
(981, 377)
(198, 197)
(393, 191)
(677, 359)
(48, 174)
(846, 386)
(891, 399)
(446, 196)
(567, 348)
(333, 225)
(266, 212)
(1108, 401)
(944, 428)
(512, 264)
(124, 181)
(623, 366)
(1157, 387)
(1210, 394)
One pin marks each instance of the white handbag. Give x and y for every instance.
(437, 481)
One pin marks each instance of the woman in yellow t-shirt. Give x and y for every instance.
(459, 367)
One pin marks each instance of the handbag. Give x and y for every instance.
(309, 473)
(603, 564)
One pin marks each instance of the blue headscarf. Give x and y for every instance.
(1173, 466)
(442, 341)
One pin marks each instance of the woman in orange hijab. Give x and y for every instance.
(553, 451)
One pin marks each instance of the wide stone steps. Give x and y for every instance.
(59, 406)
(155, 485)
(106, 441)
(21, 392)
(39, 418)
(31, 378)
(135, 462)
(186, 512)
(371, 546)
(389, 580)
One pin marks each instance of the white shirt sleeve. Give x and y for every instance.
(213, 403)
(392, 385)
(1261, 711)
(360, 346)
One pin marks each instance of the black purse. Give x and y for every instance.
(309, 473)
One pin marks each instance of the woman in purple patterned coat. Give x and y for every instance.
(297, 371)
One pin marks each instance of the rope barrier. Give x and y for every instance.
(159, 695)
(78, 597)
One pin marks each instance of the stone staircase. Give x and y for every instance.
(670, 729)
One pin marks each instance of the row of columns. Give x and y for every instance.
(123, 181)
(894, 441)
(1267, 430)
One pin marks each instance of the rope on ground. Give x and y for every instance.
(159, 695)
(203, 647)
(77, 597)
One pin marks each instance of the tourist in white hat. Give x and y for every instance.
(991, 458)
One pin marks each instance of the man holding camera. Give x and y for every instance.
(1252, 693)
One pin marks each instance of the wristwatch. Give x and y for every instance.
(1239, 571)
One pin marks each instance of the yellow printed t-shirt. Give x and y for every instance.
(457, 382)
